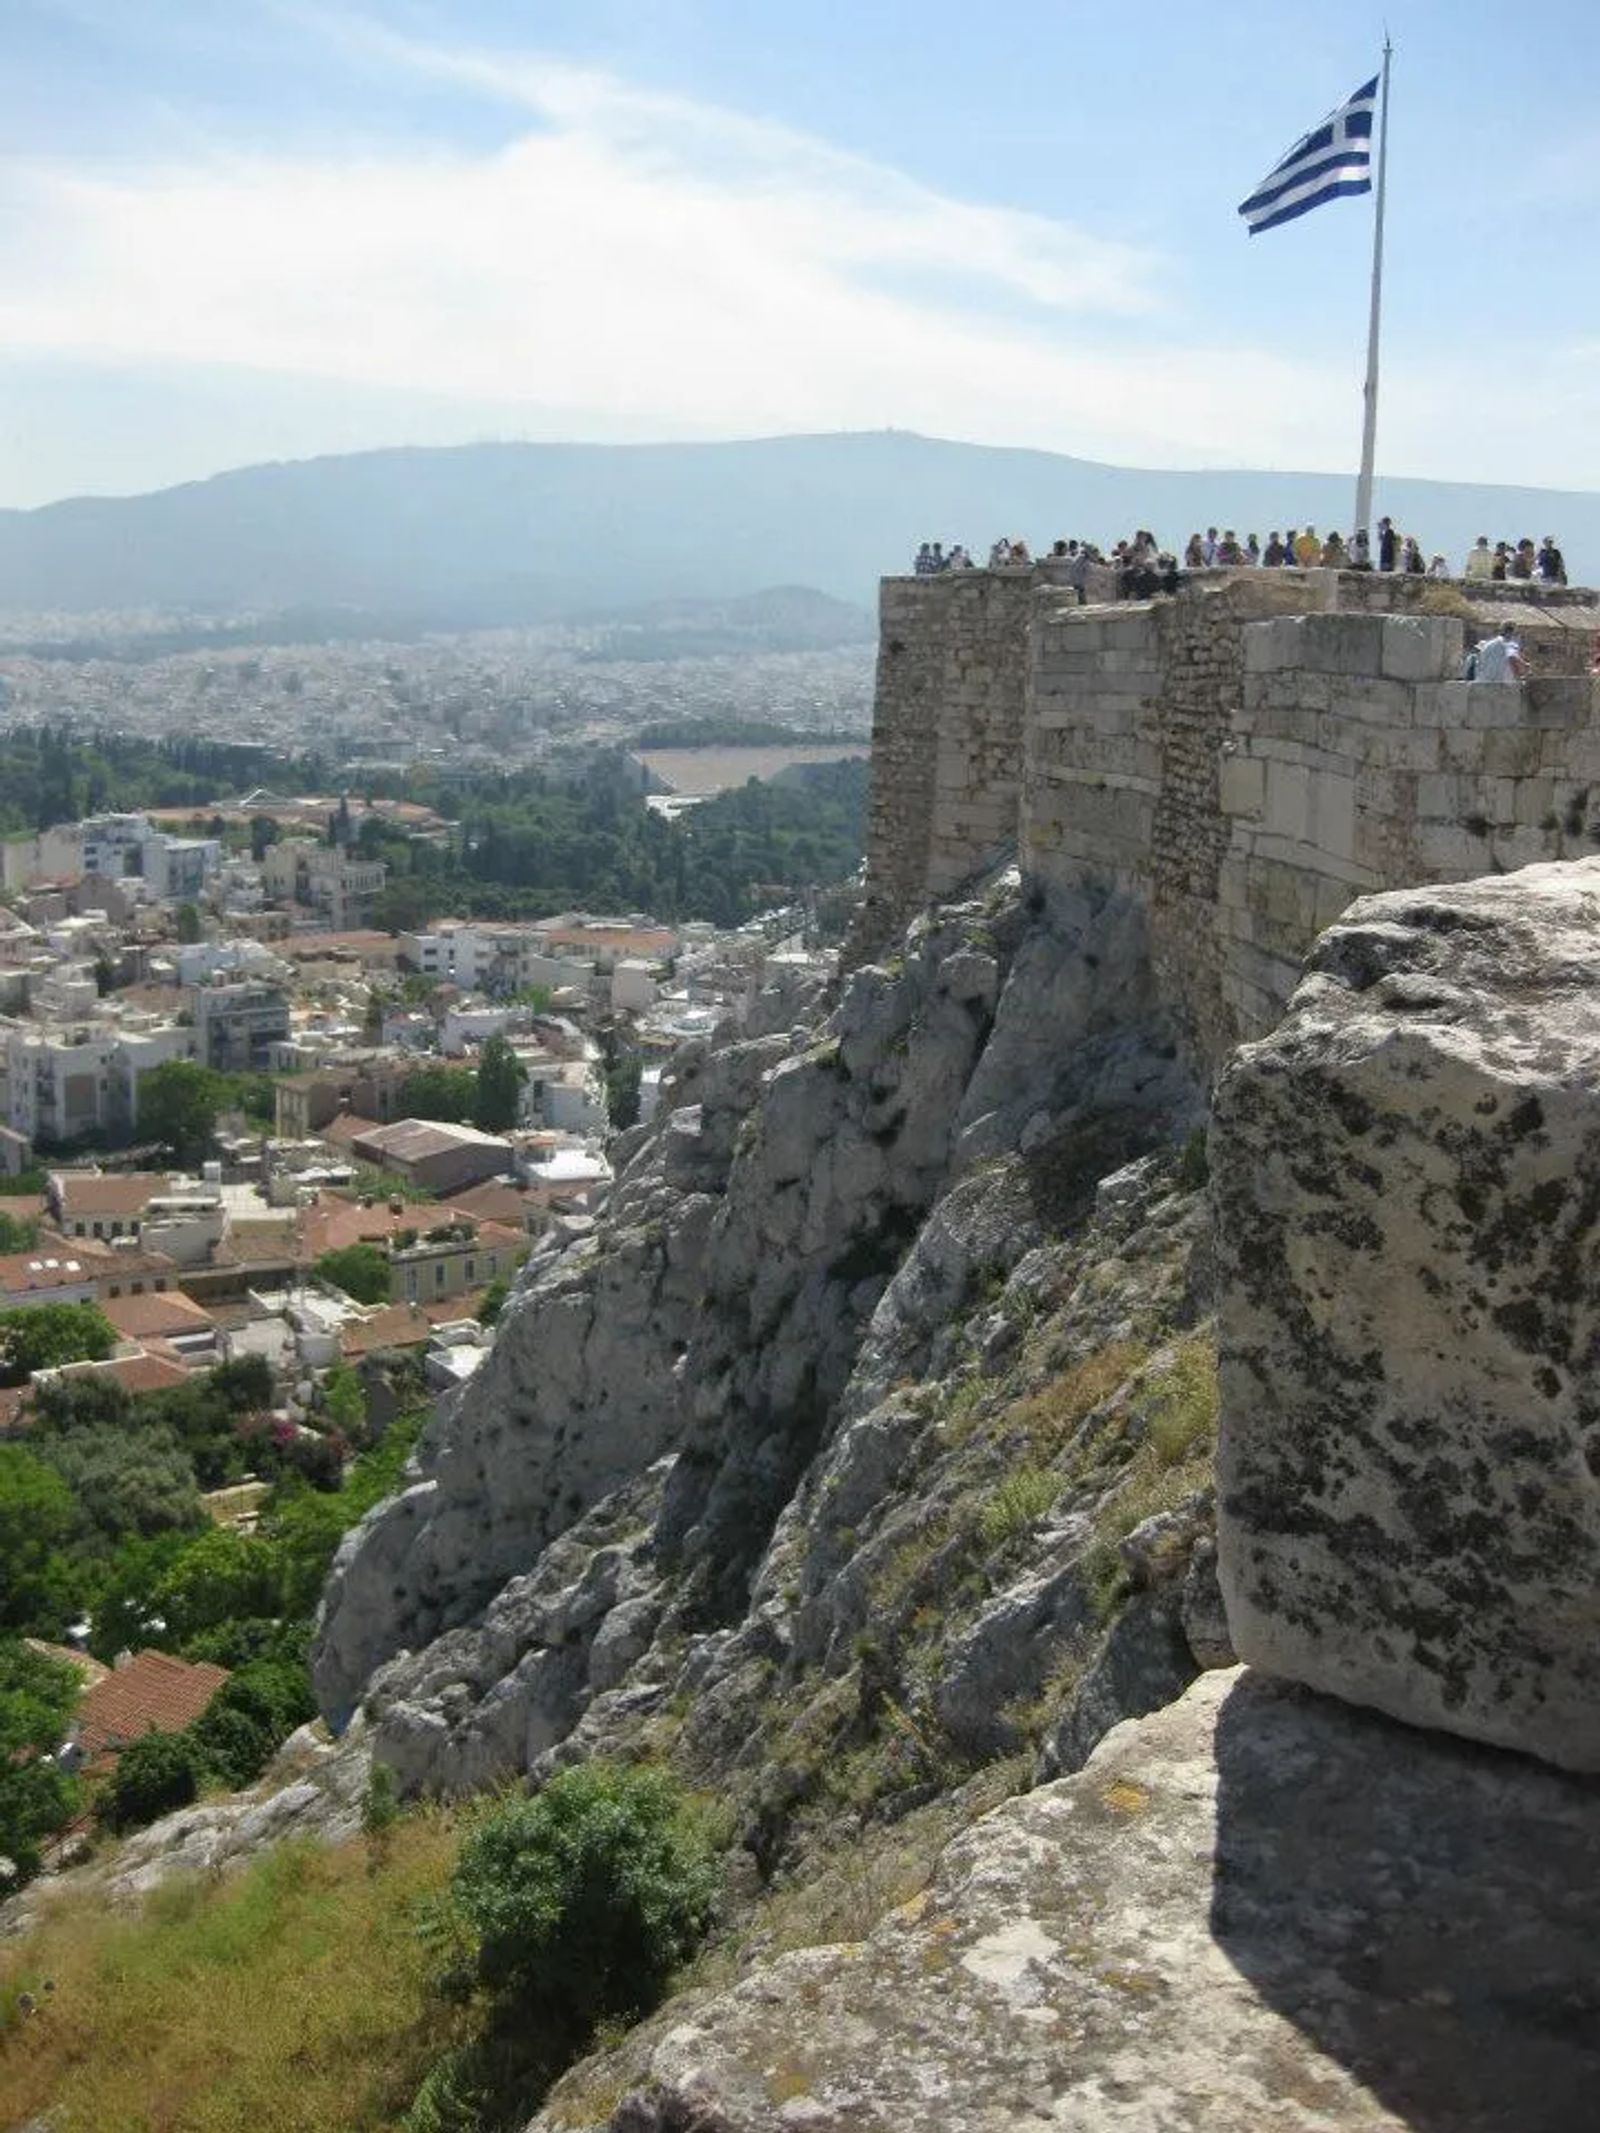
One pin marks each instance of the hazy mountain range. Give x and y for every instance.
(476, 534)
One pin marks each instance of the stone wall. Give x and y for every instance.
(1238, 762)
(1359, 761)
(946, 739)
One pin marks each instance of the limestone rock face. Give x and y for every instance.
(580, 1393)
(1407, 1186)
(1258, 1909)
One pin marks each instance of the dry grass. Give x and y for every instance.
(1050, 1415)
(292, 1998)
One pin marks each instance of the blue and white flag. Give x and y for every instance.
(1335, 158)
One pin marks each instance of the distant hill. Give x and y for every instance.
(475, 534)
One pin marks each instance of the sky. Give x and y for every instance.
(237, 230)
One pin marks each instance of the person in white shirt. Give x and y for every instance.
(1499, 658)
(1480, 563)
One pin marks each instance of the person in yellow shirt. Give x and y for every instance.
(1480, 562)
(1308, 549)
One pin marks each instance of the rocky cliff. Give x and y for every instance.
(818, 1463)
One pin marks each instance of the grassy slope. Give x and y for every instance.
(291, 1999)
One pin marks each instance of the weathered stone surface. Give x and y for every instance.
(1407, 1181)
(1259, 1911)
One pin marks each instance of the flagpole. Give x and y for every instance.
(1369, 425)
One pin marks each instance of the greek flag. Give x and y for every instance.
(1333, 159)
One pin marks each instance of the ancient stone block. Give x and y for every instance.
(1242, 785)
(1407, 1181)
(1422, 647)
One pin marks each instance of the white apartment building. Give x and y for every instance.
(113, 845)
(58, 1083)
(178, 868)
(61, 1083)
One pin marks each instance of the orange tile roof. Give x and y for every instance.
(153, 1693)
(494, 1202)
(345, 1127)
(335, 1222)
(134, 1373)
(152, 1317)
(405, 1325)
(626, 940)
(126, 1192)
(48, 1267)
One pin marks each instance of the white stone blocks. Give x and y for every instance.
(1422, 647)
(1287, 808)
(1269, 646)
(1242, 785)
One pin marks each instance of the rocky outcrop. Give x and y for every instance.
(1407, 1179)
(1258, 1909)
(730, 1309)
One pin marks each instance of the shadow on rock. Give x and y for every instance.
(1427, 1912)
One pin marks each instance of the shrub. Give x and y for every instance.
(156, 1774)
(1194, 1162)
(233, 1747)
(1021, 1499)
(361, 1270)
(583, 1898)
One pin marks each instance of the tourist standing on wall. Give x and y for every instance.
(1480, 562)
(1499, 658)
(1388, 545)
(1550, 564)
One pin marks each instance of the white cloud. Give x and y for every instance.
(638, 264)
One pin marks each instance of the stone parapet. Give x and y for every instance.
(1240, 760)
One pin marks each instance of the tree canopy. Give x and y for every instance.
(361, 1270)
(498, 1093)
(38, 1696)
(44, 1336)
(179, 1102)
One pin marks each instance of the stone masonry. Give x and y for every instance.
(1238, 762)
(946, 739)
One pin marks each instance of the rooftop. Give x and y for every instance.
(409, 1140)
(96, 1192)
(153, 1317)
(152, 1693)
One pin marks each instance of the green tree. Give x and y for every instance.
(493, 1301)
(344, 1400)
(222, 1576)
(178, 1105)
(442, 1092)
(37, 1519)
(500, 1078)
(157, 1774)
(584, 1898)
(133, 1478)
(361, 1270)
(17, 1234)
(187, 921)
(38, 1696)
(622, 1092)
(44, 1336)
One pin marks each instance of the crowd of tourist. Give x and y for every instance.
(1144, 567)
